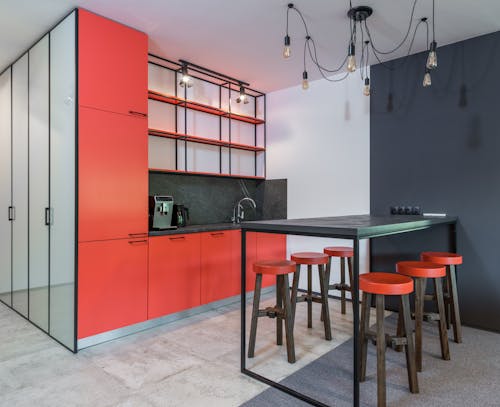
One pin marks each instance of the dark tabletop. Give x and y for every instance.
(195, 229)
(361, 226)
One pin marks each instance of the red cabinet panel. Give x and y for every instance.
(112, 285)
(113, 67)
(219, 278)
(174, 274)
(113, 175)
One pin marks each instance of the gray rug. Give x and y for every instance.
(471, 378)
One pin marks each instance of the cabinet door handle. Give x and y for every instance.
(215, 234)
(11, 213)
(137, 241)
(47, 216)
(177, 238)
(137, 113)
(138, 234)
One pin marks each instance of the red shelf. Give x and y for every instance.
(215, 174)
(202, 140)
(174, 100)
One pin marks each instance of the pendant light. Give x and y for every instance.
(243, 97)
(432, 57)
(427, 78)
(305, 81)
(366, 88)
(351, 58)
(286, 50)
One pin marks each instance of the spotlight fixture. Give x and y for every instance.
(185, 78)
(427, 78)
(358, 17)
(243, 97)
(305, 82)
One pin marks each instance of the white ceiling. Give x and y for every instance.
(244, 38)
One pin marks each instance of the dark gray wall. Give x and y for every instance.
(439, 147)
(212, 199)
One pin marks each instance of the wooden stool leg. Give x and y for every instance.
(351, 283)
(364, 325)
(443, 333)
(309, 296)
(279, 304)
(410, 349)
(255, 315)
(419, 317)
(295, 288)
(328, 271)
(447, 304)
(342, 282)
(324, 302)
(287, 305)
(455, 311)
(400, 327)
(381, 345)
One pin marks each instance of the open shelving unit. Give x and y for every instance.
(234, 135)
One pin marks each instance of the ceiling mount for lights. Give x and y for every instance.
(360, 13)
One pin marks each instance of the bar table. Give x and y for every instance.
(353, 227)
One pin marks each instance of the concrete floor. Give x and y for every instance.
(191, 362)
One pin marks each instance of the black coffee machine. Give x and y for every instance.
(180, 215)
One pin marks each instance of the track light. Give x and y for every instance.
(185, 78)
(286, 51)
(366, 89)
(305, 82)
(243, 97)
(427, 78)
(432, 62)
(351, 58)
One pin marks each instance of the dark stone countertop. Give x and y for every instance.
(195, 229)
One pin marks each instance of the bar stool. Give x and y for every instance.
(450, 260)
(345, 255)
(283, 308)
(310, 259)
(421, 271)
(380, 285)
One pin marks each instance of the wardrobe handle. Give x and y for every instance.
(134, 235)
(137, 241)
(11, 213)
(47, 216)
(137, 113)
(215, 234)
(177, 238)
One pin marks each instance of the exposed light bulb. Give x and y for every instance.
(243, 97)
(427, 78)
(432, 62)
(366, 89)
(287, 51)
(305, 82)
(351, 58)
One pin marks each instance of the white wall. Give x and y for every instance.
(319, 139)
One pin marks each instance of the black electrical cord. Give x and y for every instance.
(405, 37)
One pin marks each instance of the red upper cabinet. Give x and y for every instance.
(113, 175)
(219, 279)
(112, 285)
(174, 274)
(113, 65)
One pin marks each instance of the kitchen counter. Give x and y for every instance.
(196, 229)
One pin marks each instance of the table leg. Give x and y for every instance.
(355, 301)
(243, 298)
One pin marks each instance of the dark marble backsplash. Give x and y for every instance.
(212, 199)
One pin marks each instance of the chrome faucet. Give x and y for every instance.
(238, 214)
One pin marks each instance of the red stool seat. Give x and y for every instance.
(274, 267)
(385, 284)
(423, 269)
(443, 258)
(309, 258)
(338, 251)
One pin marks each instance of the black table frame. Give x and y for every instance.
(402, 224)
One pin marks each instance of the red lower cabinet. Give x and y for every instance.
(174, 274)
(112, 284)
(219, 279)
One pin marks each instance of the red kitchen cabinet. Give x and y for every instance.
(112, 285)
(113, 65)
(219, 279)
(113, 175)
(271, 246)
(174, 274)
